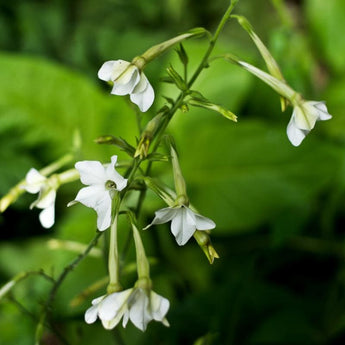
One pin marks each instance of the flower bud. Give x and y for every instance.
(205, 244)
(147, 136)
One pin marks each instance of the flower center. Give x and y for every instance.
(110, 185)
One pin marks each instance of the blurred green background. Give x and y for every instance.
(279, 209)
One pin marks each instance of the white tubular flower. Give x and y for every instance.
(184, 222)
(37, 183)
(128, 79)
(136, 304)
(101, 183)
(303, 120)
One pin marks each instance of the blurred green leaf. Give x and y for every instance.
(326, 20)
(41, 106)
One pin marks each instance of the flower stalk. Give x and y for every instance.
(113, 259)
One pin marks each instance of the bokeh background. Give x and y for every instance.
(279, 209)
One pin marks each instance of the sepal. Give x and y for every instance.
(119, 142)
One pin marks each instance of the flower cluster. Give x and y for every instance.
(136, 304)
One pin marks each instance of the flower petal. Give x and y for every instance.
(91, 172)
(98, 198)
(34, 181)
(183, 225)
(46, 198)
(159, 306)
(143, 99)
(138, 311)
(126, 82)
(164, 215)
(204, 223)
(114, 176)
(125, 318)
(114, 305)
(142, 84)
(47, 216)
(106, 71)
(295, 134)
(91, 314)
(305, 116)
(323, 112)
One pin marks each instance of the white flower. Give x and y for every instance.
(136, 304)
(303, 120)
(184, 222)
(128, 80)
(102, 182)
(37, 183)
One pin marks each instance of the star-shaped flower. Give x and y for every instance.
(102, 182)
(303, 120)
(46, 187)
(128, 79)
(136, 304)
(184, 222)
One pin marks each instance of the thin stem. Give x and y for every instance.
(143, 266)
(56, 165)
(182, 95)
(113, 261)
(214, 39)
(69, 268)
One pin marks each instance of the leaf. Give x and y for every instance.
(326, 20)
(41, 106)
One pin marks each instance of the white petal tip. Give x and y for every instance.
(71, 203)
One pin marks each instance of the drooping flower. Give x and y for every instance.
(128, 79)
(136, 304)
(102, 182)
(46, 187)
(184, 222)
(303, 120)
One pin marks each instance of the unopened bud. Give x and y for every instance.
(205, 244)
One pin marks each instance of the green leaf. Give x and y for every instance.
(41, 106)
(326, 20)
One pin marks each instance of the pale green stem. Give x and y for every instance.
(143, 266)
(56, 165)
(68, 176)
(180, 184)
(113, 260)
(223, 21)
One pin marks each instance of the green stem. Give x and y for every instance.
(56, 165)
(69, 268)
(113, 261)
(182, 95)
(214, 39)
(143, 266)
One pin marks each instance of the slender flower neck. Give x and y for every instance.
(140, 62)
(180, 184)
(143, 266)
(113, 260)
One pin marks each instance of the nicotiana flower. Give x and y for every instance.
(136, 304)
(37, 183)
(102, 182)
(128, 79)
(303, 120)
(184, 222)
